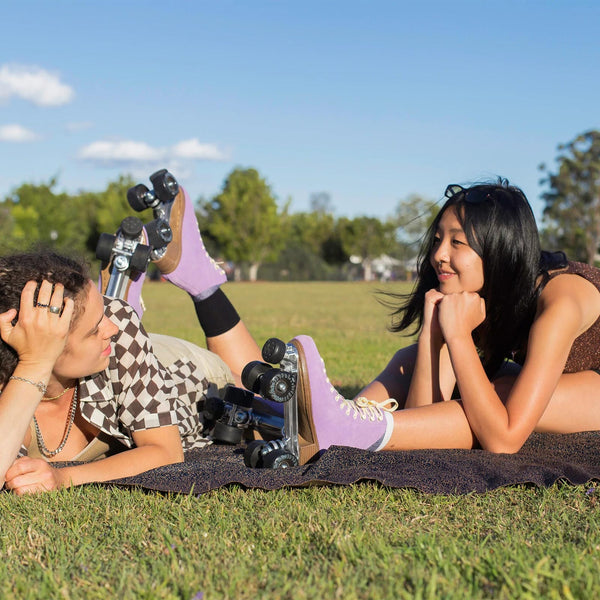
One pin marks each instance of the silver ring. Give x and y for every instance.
(55, 310)
(40, 305)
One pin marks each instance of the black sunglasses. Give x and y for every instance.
(454, 189)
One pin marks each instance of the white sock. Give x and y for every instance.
(389, 427)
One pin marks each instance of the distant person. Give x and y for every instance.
(81, 380)
(509, 342)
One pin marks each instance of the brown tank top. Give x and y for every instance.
(585, 351)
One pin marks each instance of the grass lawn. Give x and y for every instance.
(362, 541)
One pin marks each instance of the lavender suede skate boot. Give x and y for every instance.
(325, 418)
(133, 291)
(186, 262)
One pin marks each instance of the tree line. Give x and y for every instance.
(256, 237)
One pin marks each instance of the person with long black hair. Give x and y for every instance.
(508, 342)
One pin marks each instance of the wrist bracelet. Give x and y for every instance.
(39, 385)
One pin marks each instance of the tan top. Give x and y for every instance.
(100, 447)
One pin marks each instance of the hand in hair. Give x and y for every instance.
(39, 336)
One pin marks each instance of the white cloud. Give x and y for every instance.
(78, 126)
(34, 84)
(129, 153)
(193, 148)
(16, 133)
(126, 152)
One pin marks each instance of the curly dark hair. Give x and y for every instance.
(17, 269)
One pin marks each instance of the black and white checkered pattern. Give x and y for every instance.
(136, 392)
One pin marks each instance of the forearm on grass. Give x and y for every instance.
(156, 448)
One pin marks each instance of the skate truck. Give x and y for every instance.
(230, 417)
(279, 385)
(126, 254)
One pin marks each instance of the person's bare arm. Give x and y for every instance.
(567, 307)
(154, 448)
(38, 337)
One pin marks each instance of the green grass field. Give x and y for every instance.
(362, 541)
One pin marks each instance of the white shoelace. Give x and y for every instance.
(362, 407)
(367, 409)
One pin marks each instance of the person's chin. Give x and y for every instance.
(448, 288)
(102, 365)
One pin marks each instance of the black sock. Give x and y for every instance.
(216, 314)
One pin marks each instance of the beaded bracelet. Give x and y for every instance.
(39, 385)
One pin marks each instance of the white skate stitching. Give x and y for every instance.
(216, 265)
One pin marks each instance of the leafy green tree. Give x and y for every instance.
(413, 216)
(40, 216)
(306, 253)
(111, 206)
(311, 229)
(6, 229)
(572, 211)
(245, 221)
(367, 238)
(320, 202)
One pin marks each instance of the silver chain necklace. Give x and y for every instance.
(70, 419)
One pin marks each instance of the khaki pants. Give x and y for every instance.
(171, 349)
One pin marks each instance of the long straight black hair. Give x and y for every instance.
(500, 227)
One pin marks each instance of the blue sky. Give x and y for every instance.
(370, 101)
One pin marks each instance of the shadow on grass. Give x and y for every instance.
(348, 391)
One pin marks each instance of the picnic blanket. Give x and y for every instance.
(543, 460)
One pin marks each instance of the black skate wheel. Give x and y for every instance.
(214, 408)
(273, 350)
(279, 459)
(252, 373)
(165, 185)
(140, 258)
(159, 233)
(278, 385)
(104, 247)
(252, 454)
(226, 433)
(138, 198)
(131, 227)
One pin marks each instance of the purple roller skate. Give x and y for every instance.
(186, 263)
(325, 418)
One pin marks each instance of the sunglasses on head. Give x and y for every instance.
(454, 189)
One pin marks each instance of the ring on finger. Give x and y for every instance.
(40, 305)
(55, 310)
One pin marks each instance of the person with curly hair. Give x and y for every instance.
(82, 382)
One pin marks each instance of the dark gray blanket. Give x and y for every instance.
(543, 460)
